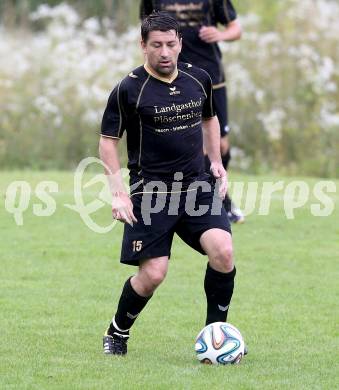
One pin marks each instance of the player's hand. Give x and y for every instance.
(122, 208)
(209, 34)
(218, 171)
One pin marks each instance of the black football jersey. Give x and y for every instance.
(163, 121)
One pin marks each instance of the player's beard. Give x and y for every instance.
(165, 70)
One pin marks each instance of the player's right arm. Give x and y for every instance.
(113, 124)
(122, 207)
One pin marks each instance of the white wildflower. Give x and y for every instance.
(63, 13)
(259, 96)
(328, 117)
(93, 117)
(239, 158)
(43, 104)
(249, 20)
(272, 122)
(239, 81)
(92, 24)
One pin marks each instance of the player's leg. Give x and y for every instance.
(136, 293)
(220, 273)
(234, 214)
(210, 234)
(148, 247)
(225, 158)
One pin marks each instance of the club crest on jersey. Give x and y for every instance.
(173, 91)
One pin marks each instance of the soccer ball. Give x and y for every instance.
(219, 343)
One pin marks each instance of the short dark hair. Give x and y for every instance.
(159, 21)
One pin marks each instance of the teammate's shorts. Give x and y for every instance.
(152, 235)
(220, 106)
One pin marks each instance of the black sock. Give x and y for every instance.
(129, 307)
(219, 290)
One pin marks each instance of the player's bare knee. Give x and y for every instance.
(223, 259)
(155, 276)
(225, 253)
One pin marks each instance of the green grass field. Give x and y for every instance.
(60, 283)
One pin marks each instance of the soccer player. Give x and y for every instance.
(166, 108)
(198, 20)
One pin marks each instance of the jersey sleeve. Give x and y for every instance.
(224, 11)
(146, 8)
(208, 110)
(114, 120)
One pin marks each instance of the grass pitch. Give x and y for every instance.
(60, 283)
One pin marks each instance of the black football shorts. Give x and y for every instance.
(160, 215)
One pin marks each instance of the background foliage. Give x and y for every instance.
(125, 12)
(58, 63)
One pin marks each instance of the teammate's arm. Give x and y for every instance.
(211, 131)
(122, 207)
(231, 32)
(225, 15)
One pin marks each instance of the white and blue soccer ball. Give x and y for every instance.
(219, 343)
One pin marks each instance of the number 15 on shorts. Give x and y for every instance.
(137, 246)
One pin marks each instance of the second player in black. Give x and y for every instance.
(199, 20)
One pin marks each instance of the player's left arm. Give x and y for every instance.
(211, 131)
(226, 15)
